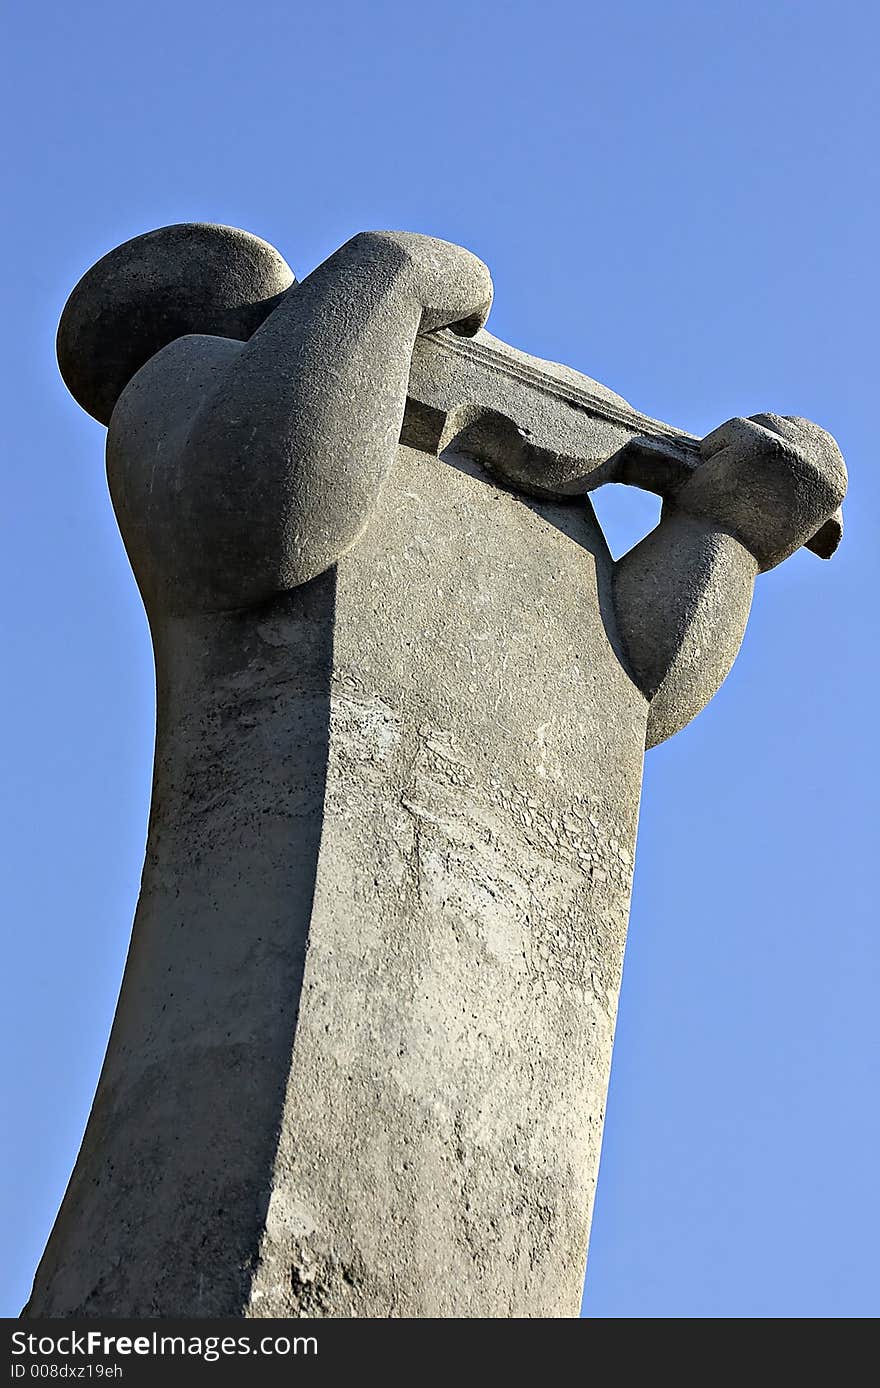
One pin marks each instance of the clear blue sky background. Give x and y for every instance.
(679, 199)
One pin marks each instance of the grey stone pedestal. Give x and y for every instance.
(360, 1059)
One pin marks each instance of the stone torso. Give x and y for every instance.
(479, 827)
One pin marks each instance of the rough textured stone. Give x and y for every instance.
(392, 768)
(359, 1062)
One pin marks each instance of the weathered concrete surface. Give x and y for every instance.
(462, 803)
(360, 1057)
(441, 1137)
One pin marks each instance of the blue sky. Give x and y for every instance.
(680, 200)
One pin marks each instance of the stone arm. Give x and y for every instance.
(269, 466)
(682, 595)
(245, 462)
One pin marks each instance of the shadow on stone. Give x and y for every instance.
(177, 1162)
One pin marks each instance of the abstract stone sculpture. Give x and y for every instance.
(360, 1056)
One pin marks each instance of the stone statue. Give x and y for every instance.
(360, 1057)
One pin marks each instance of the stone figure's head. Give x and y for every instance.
(191, 278)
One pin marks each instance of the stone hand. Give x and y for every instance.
(761, 488)
(773, 481)
(451, 286)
